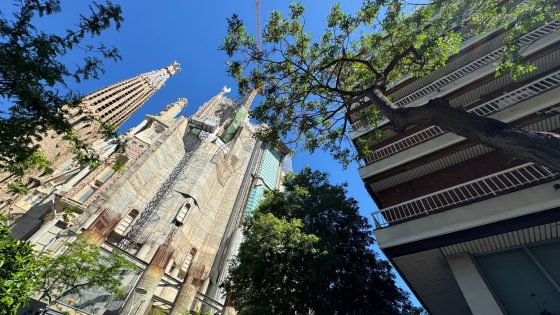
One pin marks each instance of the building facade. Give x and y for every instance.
(172, 202)
(109, 106)
(470, 229)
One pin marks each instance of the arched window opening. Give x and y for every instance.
(182, 214)
(188, 260)
(85, 126)
(126, 222)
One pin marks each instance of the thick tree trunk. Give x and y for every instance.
(539, 147)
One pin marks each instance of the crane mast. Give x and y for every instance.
(258, 12)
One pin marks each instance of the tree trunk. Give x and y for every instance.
(539, 147)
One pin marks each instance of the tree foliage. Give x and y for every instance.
(311, 84)
(24, 272)
(35, 96)
(19, 271)
(307, 248)
(81, 267)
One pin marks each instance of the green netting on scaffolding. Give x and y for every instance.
(241, 114)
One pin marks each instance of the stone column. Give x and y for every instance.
(175, 272)
(203, 289)
(228, 308)
(169, 292)
(187, 292)
(100, 229)
(140, 298)
(476, 292)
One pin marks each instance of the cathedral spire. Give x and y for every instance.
(111, 105)
(114, 104)
(214, 113)
(250, 98)
(156, 79)
(172, 110)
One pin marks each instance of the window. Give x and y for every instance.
(182, 214)
(126, 222)
(4, 203)
(85, 126)
(84, 194)
(524, 280)
(188, 259)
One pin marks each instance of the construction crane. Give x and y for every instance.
(255, 91)
(258, 12)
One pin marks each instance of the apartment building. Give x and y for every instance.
(470, 229)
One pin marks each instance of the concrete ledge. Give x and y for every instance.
(531, 200)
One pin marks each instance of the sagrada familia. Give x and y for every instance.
(170, 194)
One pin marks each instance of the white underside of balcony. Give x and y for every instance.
(509, 114)
(530, 200)
(464, 81)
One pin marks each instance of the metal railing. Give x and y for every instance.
(479, 63)
(509, 180)
(521, 94)
(471, 67)
(404, 143)
(357, 125)
(166, 279)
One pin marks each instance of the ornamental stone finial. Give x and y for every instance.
(172, 110)
(173, 68)
(225, 90)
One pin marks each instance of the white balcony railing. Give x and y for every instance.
(523, 93)
(509, 180)
(525, 40)
(358, 124)
(479, 63)
(404, 143)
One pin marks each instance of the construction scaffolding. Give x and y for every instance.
(151, 209)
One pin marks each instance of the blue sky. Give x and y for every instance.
(154, 33)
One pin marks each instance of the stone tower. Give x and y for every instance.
(172, 202)
(111, 105)
(114, 104)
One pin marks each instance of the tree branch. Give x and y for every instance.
(396, 59)
(539, 147)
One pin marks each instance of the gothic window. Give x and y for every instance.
(126, 222)
(182, 214)
(188, 259)
(85, 126)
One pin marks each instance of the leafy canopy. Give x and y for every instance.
(311, 83)
(19, 271)
(81, 267)
(307, 248)
(34, 81)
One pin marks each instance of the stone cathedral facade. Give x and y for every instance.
(172, 201)
(111, 105)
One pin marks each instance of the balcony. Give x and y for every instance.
(514, 97)
(449, 82)
(513, 179)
